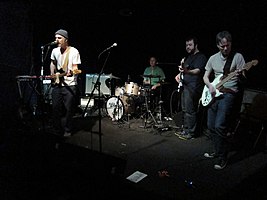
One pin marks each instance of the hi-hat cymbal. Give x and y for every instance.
(150, 76)
(115, 77)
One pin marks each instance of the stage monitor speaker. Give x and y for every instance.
(90, 84)
(255, 103)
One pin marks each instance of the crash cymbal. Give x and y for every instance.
(115, 77)
(150, 76)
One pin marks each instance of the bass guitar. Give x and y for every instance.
(180, 85)
(218, 82)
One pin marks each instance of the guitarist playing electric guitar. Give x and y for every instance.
(64, 68)
(190, 79)
(58, 77)
(223, 109)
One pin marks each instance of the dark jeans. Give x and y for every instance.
(189, 104)
(219, 114)
(64, 106)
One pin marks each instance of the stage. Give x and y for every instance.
(97, 159)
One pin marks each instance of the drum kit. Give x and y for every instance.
(125, 100)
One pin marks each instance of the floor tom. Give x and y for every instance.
(129, 104)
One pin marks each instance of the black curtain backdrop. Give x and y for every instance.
(140, 28)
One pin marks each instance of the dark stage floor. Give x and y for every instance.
(35, 164)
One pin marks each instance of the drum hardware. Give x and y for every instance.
(148, 114)
(167, 123)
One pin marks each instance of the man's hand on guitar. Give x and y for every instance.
(212, 90)
(72, 72)
(69, 74)
(177, 78)
(182, 67)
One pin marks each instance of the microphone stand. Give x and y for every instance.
(41, 83)
(97, 84)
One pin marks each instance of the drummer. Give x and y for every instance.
(153, 77)
(153, 74)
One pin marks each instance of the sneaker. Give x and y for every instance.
(209, 155)
(178, 133)
(221, 164)
(67, 134)
(186, 136)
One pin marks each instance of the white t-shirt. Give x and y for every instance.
(74, 58)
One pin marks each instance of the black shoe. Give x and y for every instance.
(221, 164)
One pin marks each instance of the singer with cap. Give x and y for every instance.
(65, 60)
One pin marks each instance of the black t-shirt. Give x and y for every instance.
(193, 61)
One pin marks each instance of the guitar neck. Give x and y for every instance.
(232, 74)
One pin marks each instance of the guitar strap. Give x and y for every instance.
(227, 65)
(66, 60)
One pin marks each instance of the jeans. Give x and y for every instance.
(219, 114)
(189, 104)
(64, 105)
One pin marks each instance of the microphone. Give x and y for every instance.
(50, 44)
(114, 45)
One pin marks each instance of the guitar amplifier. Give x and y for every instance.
(254, 103)
(91, 81)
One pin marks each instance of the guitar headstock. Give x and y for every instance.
(250, 64)
(254, 62)
(77, 71)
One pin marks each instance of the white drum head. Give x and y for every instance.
(115, 108)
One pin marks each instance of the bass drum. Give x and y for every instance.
(115, 108)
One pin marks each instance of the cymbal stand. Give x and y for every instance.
(161, 126)
(119, 110)
(148, 113)
(159, 114)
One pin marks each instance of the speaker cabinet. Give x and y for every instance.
(254, 103)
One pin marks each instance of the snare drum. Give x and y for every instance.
(131, 88)
(115, 108)
(119, 91)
